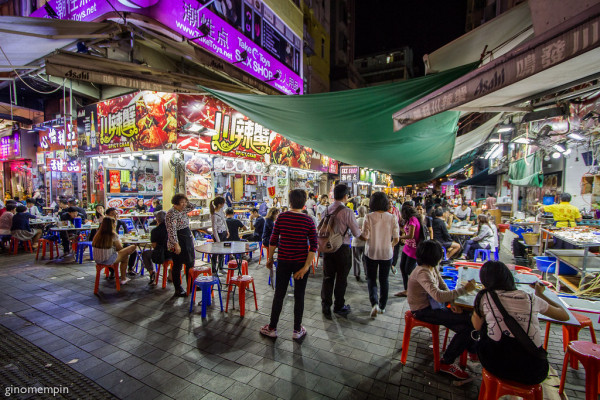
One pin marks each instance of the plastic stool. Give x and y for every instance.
(493, 387)
(588, 354)
(445, 254)
(195, 272)
(571, 333)
(412, 322)
(14, 245)
(81, 249)
(205, 283)
(166, 266)
(484, 253)
(99, 268)
(261, 254)
(243, 282)
(42, 246)
(232, 267)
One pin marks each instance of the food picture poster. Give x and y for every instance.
(134, 122)
(219, 129)
(114, 179)
(198, 178)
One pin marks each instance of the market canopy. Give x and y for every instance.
(481, 179)
(527, 171)
(355, 127)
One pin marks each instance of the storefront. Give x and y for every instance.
(16, 162)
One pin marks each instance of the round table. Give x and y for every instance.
(237, 249)
(139, 242)
(72, 228)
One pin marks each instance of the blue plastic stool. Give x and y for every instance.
(205, 283)
(496, 255)
(81, 249)
(484, 253)
(129, 224)
(291, 277)
(445, 255)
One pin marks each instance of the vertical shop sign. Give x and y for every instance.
(87, 132)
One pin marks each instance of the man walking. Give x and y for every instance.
(336, 265)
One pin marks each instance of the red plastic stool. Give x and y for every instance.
(503, 227)
(243, 282)
(166, 266)
(99, 268)
(588, 354)
(195, 272)
(232, 267)
(412, 322)
(493, 387)
(42, 245)
(571, 333)
(14, 245)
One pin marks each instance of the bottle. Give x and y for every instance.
(121, 230)
(93, 130)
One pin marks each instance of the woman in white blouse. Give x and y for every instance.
(381, 233)
(219, 227)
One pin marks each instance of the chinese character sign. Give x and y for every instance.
(10, 147)
(60, 165)
(349, 174)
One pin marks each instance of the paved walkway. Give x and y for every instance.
(143, 344)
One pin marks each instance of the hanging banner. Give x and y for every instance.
(87, 132)
(61, 165)
(349, 173)
(137, 121)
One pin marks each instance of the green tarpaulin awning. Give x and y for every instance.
(527, 171)
(480, 179)
(355, 126)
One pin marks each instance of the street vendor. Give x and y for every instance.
(564, 214)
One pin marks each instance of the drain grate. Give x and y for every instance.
(28, 372)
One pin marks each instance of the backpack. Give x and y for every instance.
(329, 241)
(424, 231)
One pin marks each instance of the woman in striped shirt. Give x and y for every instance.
(107, 247)
(295, 235)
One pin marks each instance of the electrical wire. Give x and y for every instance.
(25, 83)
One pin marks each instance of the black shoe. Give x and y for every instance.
(357, 277)
(180, 293)
(152, 278)
(327, 311)
(131, 273)
(343, 311)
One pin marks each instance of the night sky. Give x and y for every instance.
(423, 25)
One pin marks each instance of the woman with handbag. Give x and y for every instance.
(510, 338)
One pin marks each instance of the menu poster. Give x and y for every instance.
(114, 179)
(87, 133)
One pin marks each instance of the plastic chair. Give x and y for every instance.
(571, 333)
(242, 282)
(81, 249)
(493, 387)
(205, 284)
(412, 322)
(42, 244)
(194, 273)
(588, 354)
(99, 268)
(128, 223)
(14, 245)
(232, 267)
(484, 253)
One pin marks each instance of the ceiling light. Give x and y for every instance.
(494, 140)
(144, 157)
(575, 136)
(560, 147)
(556, 154)
(522, 140)
(505, 129)
(131, 157)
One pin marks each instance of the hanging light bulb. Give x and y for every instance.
(556, 154)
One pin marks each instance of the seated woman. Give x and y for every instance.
(140, 206)
(21, 229)
(483, 240)
(427, 295)
(108, 249)
(510, 344)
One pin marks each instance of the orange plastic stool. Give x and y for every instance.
(493, 387)
(14, 245)
(571, 333)
(412, 322)
(243, 282)
(195, 272)
(166, 266)
(503, 227)
(232, 267)
(42, 245)
(588, 354)
(99, 268)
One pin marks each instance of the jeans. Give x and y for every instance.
(384, 272)
(470, 248)
(285, 269)
(358, 260)
(336, 267)
(147, 260)
(459, 323)
(407, 265)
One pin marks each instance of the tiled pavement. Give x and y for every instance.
(142, 344)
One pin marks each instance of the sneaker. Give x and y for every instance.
(381, 310)
(131, 273)
(473, 357)
(272, 333)
(454, 370)
(357, 277)
(299, 334)
(180, 293)
(393, 270)
(124, 281)
(401, 294)
(327, 311)
(152, 278)
(345, 310)
(374, 311)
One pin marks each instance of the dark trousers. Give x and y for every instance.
(214, 259)
(336, 267)
(64, 239)
(470, 247)
(384, 271)
(458, 323)
(132, 259)
(407, 265)
(285, 269)
(358, 260)
(396, 254)
(252, 237)
(187, 257)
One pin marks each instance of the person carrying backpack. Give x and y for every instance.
(334, 243)
(412, 237)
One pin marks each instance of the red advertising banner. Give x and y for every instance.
(208, 125)
(114, 181)
(138, 121)
(60, 165)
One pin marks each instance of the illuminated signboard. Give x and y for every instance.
(349, 173)
(273, 51)
(53, 139)
(10, 146)
(60, 165)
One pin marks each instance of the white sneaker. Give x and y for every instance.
(374, 311)
(267, 331)
(381, 311)
(299, 334)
